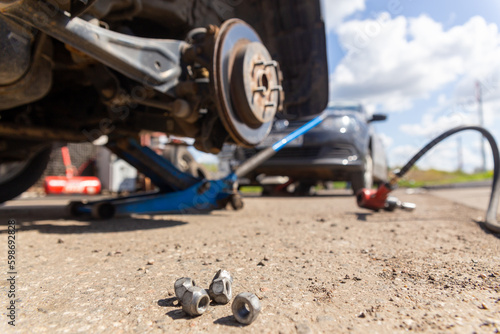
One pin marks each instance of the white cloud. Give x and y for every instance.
(394, 61)
(432, 126)
(399, 155)
(444, 156)
(335, 11)
(391, 62)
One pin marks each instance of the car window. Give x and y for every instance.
(350, 108)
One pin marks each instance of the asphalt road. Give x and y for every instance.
(318, 265)
(477, 198)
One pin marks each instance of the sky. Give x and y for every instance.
(419, 61)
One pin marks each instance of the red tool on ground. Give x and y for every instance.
(71, 184)
(379, 199)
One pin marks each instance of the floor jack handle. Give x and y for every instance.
(262, 156)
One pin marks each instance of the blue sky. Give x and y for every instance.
(418, 61)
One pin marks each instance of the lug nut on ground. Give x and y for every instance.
(220, 290)
(195, 301)
(181, 285)
(246, 307)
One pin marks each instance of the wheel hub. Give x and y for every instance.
(247, 83)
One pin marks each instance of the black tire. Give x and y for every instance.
(267, 190)
(104, 210)
(73, 208)
(26, 177)
(303, 188)
(363, 179)
(274, 190)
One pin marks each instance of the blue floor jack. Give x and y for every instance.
(178, 192)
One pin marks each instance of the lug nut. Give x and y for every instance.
(195, 301)
(220, 289)
(182, 285)
(246, 307)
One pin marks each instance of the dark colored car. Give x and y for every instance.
(344, 147)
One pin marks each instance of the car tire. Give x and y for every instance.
(303, 188)
(363, 179)
(272, 190)
(28, 174)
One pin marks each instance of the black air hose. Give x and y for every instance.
(491, 214)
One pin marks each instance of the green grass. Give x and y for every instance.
(258, 189)
(251, 189)
(415, 178)
(419, 178)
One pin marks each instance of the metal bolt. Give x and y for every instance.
(211, 29)
(272, 63)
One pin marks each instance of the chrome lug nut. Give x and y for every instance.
(195, 301)
(181, 285)
(220, 290)
(246, 307)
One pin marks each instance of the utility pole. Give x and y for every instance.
(460, 159)
(479, 99)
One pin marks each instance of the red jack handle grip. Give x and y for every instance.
(373, 199)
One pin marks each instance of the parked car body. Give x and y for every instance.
(344, 147)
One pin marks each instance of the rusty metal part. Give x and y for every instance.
(9, 130)
(246, 83)
(36, 82)
(4, 4)
(181, 285)
(246, 308)
(195, 301)
(15, 58)
(255, 85)
(220, 290)
(154, 63)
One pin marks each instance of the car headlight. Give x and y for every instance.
(281, 125)
(342, 124)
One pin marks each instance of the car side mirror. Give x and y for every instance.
(378, 117)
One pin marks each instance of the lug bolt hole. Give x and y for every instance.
(264, 82)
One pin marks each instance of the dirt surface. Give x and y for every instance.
(318, 264)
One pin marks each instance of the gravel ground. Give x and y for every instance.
(318, 264)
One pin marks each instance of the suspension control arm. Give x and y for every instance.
(152, 62)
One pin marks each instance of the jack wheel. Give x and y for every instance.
(236, 202)
(73, 208)
(103, 211)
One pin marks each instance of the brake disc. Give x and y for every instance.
(246, 82)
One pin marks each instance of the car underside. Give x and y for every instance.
(216, 71)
